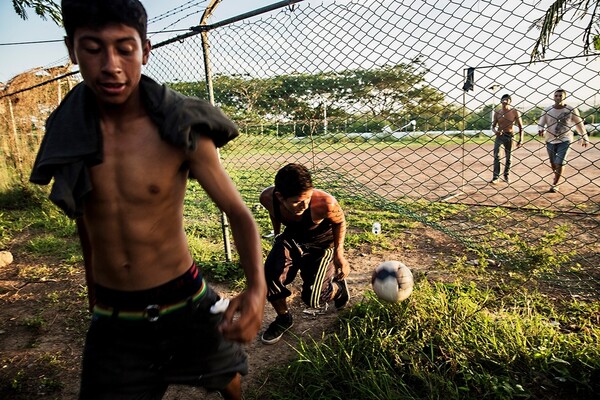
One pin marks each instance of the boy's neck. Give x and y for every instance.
(131, 107)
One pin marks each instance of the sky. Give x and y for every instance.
(16, 59)
(449, 35)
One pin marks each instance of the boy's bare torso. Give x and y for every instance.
(135, 212)
(506, 119)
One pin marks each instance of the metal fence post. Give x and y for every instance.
(211, 97)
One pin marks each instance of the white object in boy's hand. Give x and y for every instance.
(220, 306)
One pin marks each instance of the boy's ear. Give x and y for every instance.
(146, 51)
(279, 196)
(69, 44)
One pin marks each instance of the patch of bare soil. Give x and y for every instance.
(43, 321)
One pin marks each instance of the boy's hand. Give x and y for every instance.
(341, 266)
(247, 308)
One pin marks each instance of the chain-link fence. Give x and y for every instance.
(391, 102)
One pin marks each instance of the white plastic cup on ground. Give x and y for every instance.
(376, 228)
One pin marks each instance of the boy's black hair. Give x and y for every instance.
(293, 180)
(99, 13)
(506, 96)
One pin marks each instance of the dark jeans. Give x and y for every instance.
(505, 141)
(126, 359)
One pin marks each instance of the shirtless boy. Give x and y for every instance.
(312, 244)
(503, 127)
(120, 166)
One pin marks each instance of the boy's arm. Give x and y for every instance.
(334, 212)
(519, 122)
(266, 199)
(86, 249)
(542, 124)
(206, 167)
(580, 126)
(494, 123)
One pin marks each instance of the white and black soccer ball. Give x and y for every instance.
(392, 281)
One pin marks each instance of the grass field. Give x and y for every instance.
(505, 303)
(473, 328)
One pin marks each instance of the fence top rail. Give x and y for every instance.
(533, 62)
(193, 31)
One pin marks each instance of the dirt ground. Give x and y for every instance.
(455, 173)
(420, 251)
(33, 356)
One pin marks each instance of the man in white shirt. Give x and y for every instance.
(556, 125)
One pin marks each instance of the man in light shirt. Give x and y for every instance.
(556, 125)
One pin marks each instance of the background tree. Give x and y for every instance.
(481, 118)
(393, 93)
(532, 115)
(349, 100)
(242, 96)
(389, 95)
(43, 8)
(555, 14)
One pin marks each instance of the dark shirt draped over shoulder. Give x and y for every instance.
(73, 140)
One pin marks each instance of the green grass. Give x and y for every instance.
(41, 377)
(449, 341)
(488, 333)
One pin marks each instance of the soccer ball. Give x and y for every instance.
(392, 281)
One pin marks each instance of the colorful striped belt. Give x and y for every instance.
(152, 312)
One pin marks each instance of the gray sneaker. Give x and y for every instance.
(277, 328)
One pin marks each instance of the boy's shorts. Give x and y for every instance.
(558, 152)
(125, 358)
